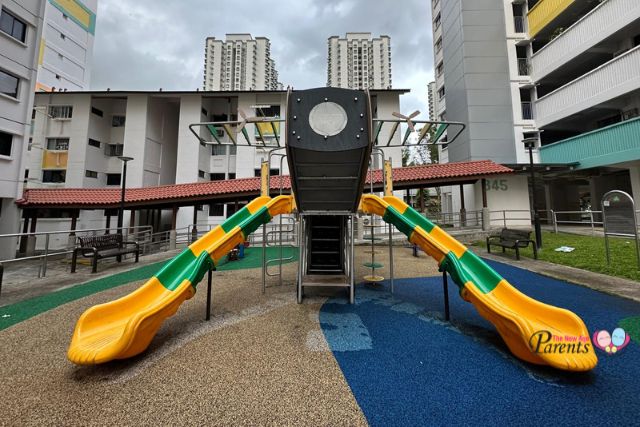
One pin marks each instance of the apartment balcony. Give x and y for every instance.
(545, 12)
(613, 144)
(598, 25)
(611, 80)
(54, 159)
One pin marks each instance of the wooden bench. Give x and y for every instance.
(512, 239)
(104, 246)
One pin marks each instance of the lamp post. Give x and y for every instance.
(124, 159)
(529, 143)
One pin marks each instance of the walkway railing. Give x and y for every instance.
(27, 243)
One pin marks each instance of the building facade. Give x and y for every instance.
(240, 62)
(21, 24)
(66, 46)
(359, 61)
(77, 144)
(560, 73)
(433, 101)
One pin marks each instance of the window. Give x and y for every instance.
(439, 45)
(61, 111)
(114, 150)
(440, 69)
(54, 176)
(233, 150)
(216, 209)
(231, 208)
(60, 144)
(217, 177)
(118, 121)
(6, 141)
(97, 112)
(218, 150)
(113, 179)
(94, 143)
(13, 26)
(90, 174)
(272, 172)
(201, 174)
(437, 21)
(441, 93)
(9, 84)
(232, 175)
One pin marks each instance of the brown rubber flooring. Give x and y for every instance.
(262, 359)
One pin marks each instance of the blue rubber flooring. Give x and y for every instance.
(406, 366)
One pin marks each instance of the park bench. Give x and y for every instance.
(512, 239)
(104, 246)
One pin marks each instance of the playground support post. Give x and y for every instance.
(445, 288)
(209, 281)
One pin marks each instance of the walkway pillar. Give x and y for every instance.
(463, 210)
(25, 228)
(486, 214)
(132, 221)
(31, 239)
(194, 230)
(108, 224)
(172, 232)
(547, 202)
(422, 194)
(71, 241)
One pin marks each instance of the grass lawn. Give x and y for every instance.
(589, 254)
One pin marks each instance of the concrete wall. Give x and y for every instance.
(477, 80)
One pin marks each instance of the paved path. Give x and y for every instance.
(609, 284)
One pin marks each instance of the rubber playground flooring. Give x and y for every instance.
(263, 359)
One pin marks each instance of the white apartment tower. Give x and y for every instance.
(21, 25)
(433, 102)
(359, 61)
(66, 46)
(560, 73)
(239, 63)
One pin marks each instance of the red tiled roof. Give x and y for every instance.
(182, 193)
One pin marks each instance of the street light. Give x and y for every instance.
(529, 143)
(124, 159)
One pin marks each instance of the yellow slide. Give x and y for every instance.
(124, 328)
(536, 332)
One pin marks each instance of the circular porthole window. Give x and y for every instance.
(328, 119)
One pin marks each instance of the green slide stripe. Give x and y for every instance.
(451, 264)
(236, 219)
(203, 264)
(252, 223)
(417, 218)
(469, 268)
(477, 271)
(392, 216)
(176, 270)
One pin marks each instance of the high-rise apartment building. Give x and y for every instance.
(66, 46)
(560, 73)
(239, 63)
(433, 102)
(20, 33)
(359, 61)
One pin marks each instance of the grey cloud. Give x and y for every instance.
(146, 44)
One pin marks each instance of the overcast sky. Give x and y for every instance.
(150, 44)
